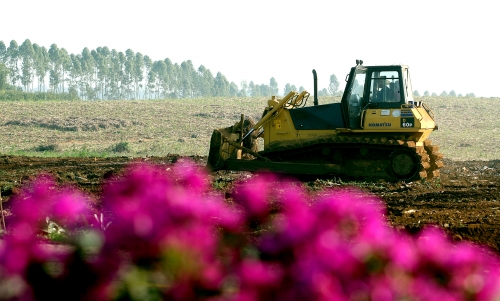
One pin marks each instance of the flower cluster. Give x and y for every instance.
(168, 236)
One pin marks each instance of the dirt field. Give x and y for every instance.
(465, 201)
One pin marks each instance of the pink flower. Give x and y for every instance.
(254, 195)
(69, 206)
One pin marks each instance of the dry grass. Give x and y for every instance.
(468, 128)
(150, 128)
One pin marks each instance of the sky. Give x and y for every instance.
(448, 45)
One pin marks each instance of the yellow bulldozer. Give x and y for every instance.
(377, 131)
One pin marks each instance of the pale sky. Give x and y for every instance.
(449, 45)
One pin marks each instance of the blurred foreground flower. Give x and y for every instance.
(168, 237)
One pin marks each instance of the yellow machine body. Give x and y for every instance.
(416, 122)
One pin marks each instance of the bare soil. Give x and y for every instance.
(465, 201)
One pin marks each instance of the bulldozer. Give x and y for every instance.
(378, 131)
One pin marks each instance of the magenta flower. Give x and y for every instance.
(37, 194)
(190, 176)
(254, 196)
(69, 206)
(258, 280)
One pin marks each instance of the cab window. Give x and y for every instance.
(385, 87)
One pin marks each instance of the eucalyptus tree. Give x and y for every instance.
(157, 79)
(256, 91)
(41, 64)
(65, 61)
(3, 68)
(265, 90)
(273, 86)
(244, 87)
(98, 80)
(138, 74)
(13, 62)
(205, 82)
(27, 55)
(169, 78)
(128, 71)
(3, 53)
(88, 72)
(160, 70)
(55, 67)
(221, 85)
(116, 74)
(333, 87)
(3, 76)
(103, 64)
(122, 78)
(175, 79)
(233, 89)
(252, 90)
(188, 80)
(75, 73)
(151, 84)
(287, 89)
(148, 64)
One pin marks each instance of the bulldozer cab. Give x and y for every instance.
(382, 87)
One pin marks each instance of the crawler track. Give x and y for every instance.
(365, 157)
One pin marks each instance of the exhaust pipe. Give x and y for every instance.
(315, 87)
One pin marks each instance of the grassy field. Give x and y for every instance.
(468, 127)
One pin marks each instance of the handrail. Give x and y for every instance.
(361, 121)
(428, 109)
(275, 108)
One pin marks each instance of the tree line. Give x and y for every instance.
(110, 74)
(452, 93)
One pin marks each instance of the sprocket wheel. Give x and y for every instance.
(404, 164)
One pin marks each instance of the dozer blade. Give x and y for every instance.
(225, 144)
(223, 149)
(215, 159)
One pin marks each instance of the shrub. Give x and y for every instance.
(47, 148)
(120, 147)
(14, 95)
(170, 237)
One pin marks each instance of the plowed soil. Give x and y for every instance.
(465, 201)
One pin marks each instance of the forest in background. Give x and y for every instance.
(110, 74)
(33, 72)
